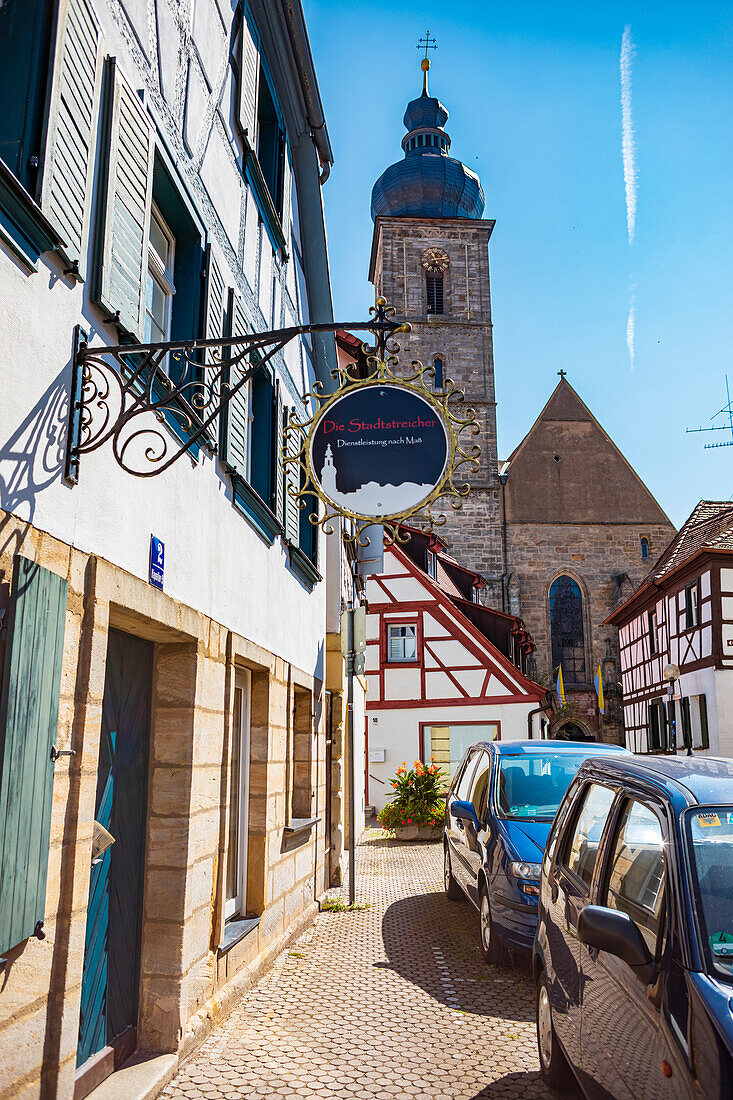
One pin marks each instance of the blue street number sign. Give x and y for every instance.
(157, 561)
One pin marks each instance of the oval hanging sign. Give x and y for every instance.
(379, 451)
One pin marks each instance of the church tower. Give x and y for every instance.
(430, 261)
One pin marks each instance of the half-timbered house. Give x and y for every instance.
(680, 621)
(443, 670)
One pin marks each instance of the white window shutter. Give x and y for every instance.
(287, 198)
(121, 280)
(238, 411)
(394, 647)
(214, 305)
(65, 187)
(292, 486)
(249, 76)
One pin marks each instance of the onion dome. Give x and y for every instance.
(427, 183)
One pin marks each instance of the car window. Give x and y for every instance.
(581, 851)
(463, 786)
(637, 873)
(480, 786)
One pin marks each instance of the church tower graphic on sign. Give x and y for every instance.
(430, 261)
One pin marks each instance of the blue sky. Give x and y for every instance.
(534, 97)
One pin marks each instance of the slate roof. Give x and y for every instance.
(709, 527)
(427, 183)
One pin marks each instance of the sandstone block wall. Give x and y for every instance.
(185, 979)
(593, 555)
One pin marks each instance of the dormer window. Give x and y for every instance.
(476, 595)
(431, 564)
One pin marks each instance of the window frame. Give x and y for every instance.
(580, 641)
(569, 833)
(652, 631)
(236, 905)
(644, 547)
(692, 604)
(404, 660)
(162, 274)
(604, 869)
(431, 564)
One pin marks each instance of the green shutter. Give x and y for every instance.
(249, 76)
(704, 735)
(292, 486)
(237, 429)
(278, 506)
(28, 724)
(71, 127)
(121, 280)
(262, 443)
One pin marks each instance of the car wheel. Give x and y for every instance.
(491, 946)
(553, 1063)
(452, 889)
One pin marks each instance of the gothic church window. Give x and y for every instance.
(434, 288)
(645, 548)
(438, 368)
(566, 630)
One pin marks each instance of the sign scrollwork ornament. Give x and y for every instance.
(385, 449)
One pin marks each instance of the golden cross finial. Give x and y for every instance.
(429, 44)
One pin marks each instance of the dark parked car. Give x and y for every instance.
(498, 813)
(634, 949)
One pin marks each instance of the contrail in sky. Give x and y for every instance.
(628, 146)
(631, 332)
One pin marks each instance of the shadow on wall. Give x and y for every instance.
(434, 943)
(31, 459)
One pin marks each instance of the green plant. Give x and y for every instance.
(419, 797)
(336, 905)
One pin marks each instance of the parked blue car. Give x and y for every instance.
(498, 814)
(633, 956)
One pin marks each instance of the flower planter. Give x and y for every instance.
(418, 832)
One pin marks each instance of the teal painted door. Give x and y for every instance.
(111, 977)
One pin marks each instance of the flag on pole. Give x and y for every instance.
(560, 686)
(599, 689)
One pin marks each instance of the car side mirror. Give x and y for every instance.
(464, 811)
(613, 931)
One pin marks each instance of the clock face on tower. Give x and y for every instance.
(435, 260)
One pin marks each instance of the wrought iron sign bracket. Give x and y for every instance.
(118, 393)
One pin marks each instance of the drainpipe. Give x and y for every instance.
(505, 574)
(314, 108)
(530, 716)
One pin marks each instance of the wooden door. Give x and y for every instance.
(111, 975)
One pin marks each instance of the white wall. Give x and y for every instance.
(398, 732)
(215, 562)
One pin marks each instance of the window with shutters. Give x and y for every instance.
(266, 159)
(50, 82)
(434, 291)
(402, 642)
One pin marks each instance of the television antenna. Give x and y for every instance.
(727, 412)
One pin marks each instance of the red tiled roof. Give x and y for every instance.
(710, 527)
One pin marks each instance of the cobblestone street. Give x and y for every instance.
(393, 1001)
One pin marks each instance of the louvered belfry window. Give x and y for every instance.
(434, 287)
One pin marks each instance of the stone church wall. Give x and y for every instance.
(594, 555)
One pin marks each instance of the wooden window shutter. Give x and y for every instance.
(121, 278)
(278, 501)
(249, 78)
(215, 296)
(28, 725)
(65, 191)
(292, 486)
(237, 423)
(287, 197)
(704, 734)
